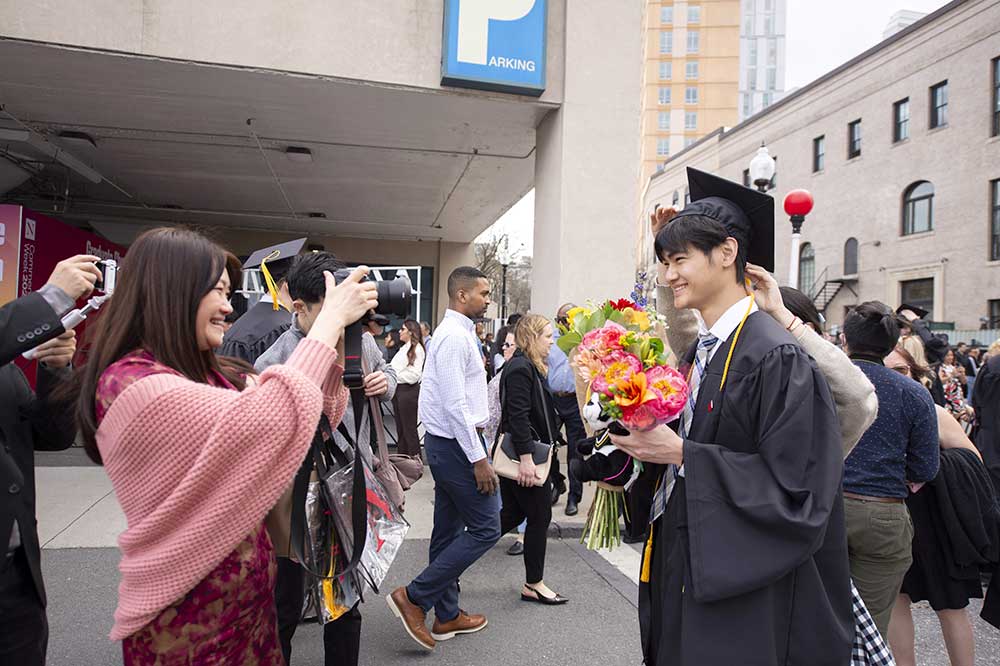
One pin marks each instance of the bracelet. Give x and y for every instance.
(795, 320)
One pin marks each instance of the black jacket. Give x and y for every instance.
(986, 402)
(255, 332)
(525, 404)
(26, 424)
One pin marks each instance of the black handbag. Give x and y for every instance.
(506, 462)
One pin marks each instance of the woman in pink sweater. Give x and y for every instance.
(197, 456)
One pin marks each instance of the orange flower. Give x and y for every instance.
(633, 391)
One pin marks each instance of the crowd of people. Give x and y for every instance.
(812, 490)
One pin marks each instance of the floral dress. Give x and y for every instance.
(227, 618)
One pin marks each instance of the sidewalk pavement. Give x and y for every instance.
(79, 521)
(77, 508)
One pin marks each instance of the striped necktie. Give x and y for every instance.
(706, 343)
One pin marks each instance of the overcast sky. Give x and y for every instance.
(819, 37)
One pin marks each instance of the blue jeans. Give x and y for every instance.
(466, 525)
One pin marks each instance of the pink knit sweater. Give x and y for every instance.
(196, 468)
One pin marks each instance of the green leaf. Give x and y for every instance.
(568, 342)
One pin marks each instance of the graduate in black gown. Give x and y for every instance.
(253, 333)
(746, 562)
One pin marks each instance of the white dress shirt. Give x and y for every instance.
(453, 390)
(406, 373)
(726, 324)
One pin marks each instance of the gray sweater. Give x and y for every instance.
(854, 395)
(284, 346)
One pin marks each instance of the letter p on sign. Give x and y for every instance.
(474, 24)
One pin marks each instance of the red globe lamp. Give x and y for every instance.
(798, 204)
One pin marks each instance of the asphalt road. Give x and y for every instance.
(598, 626)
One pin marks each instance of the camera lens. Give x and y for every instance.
(394, 297)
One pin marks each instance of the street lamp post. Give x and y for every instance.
(762, 169)
(503, 292)
(798, 204)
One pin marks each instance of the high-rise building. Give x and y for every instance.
(692, 74)
(762, 55)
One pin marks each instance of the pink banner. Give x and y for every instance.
(31, 244)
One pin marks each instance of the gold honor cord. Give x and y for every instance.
(648, 552)
(271, 287)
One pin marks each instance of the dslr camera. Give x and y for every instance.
(394, 298)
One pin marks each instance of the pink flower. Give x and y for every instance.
(617, 366)
(672, 391)
(641, 417)
(602, 341)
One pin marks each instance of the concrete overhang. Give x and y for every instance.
(187, 142)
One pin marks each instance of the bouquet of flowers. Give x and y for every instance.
(623, 366)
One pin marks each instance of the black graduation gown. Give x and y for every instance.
(749, 564)
(255, 332)
(986, 401)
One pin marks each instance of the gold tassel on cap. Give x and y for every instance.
(271, 287)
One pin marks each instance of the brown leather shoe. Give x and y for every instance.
(463, 624)
(413, 617)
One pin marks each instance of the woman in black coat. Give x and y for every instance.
(526, 414)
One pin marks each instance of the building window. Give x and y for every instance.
(694, 14)
(691, 95)
(666, 42)
(772, 52)
(766, 99)
(746, 177)
(746, 105)
(918, 292)
(687, 196)
(901, 120)
(807, 269)
(752, 52)
(676, 199)
(667, 15)
(663, 120)
(918, 208)
(996, 96)
(690, 120)
(851, 256)
(666, 71)
(769, 25)
(993, 307)
(662, 147)
(664, 94)
(694, 41)
(853, 139)
(689, 141)
(772, 78)
(691, 70)
(751, 78)
(995, 221)
(819, 153)
(939, 105)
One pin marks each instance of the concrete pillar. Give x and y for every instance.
(450, 257)
(588, 161)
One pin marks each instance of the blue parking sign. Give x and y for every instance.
(495, 45)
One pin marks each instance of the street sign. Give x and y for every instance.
(495, 45)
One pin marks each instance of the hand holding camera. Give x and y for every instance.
(344, 304)
(77, 275)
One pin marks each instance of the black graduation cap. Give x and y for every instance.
(747, 214)
(284, 251)
(919, 311)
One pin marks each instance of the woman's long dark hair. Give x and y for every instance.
(802, 307)
(416, 338)
(163, 278)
